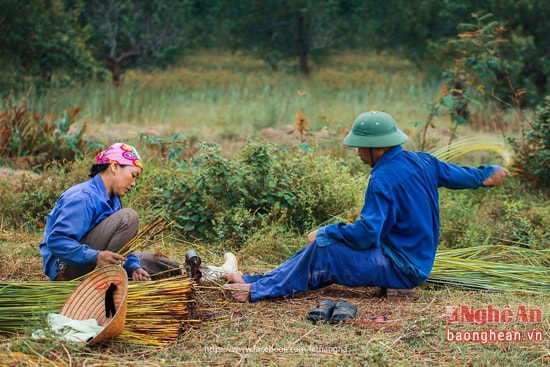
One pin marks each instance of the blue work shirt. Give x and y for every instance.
(76, 213)
(401, 209)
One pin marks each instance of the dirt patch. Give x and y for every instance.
(289, 135)
(16, 177)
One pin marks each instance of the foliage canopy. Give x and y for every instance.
(60, 41)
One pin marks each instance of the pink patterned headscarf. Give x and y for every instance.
(120, 153)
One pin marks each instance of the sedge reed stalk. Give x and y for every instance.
(143, 237)
(496, 268)
(465, 146)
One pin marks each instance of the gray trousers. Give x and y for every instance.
(111, 235)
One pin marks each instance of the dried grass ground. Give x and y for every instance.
(276, 332)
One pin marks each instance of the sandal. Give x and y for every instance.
(322, 312)
(343, 311)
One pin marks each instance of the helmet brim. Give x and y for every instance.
(354, 140)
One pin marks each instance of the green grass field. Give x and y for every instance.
(230, 97)
(227, 99)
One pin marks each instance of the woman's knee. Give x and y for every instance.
(124, 223)
(130, 215)
(129, 218)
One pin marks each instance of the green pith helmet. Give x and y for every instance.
(374, 130)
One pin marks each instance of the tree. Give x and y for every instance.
(41, 42)
(125, 30)
(276, 30)
(419, 30)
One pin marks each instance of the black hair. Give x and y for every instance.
(98, 168)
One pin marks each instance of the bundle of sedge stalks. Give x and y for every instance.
(494, 268)
(144, 236)
(465, 146)
(157, 311)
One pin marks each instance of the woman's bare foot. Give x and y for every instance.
(234, 278)
(239, 291)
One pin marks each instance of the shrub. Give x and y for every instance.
(216, 198)
(459, 210)
(471, 218)
(28, 198)
(523, 224)
(534, 150)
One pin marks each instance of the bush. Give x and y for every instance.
(27, 198)
(534, 151)
(214, 198)
(471, 218)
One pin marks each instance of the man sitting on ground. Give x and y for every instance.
(393, 243)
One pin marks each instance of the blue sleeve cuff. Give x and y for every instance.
(132, 264)
(488, 171)
(88, 256)
(321, 237)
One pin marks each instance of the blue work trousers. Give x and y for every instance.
(315, 267)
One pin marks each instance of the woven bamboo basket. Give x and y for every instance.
(87, 301)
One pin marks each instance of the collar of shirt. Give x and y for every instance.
(114, 202)
(387, 157)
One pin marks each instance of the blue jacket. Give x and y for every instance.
(401, 209)
(76, 213)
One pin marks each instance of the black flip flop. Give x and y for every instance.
(322, 312)
(343, 311)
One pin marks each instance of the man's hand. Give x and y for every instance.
(109, 258)
(496, 178)
(140, 274)
(311, 237)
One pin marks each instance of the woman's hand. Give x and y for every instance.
(140, 274)
(109, 258)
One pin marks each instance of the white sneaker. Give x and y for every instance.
(214, 272)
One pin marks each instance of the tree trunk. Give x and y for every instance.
(115, 72)
(301, 42)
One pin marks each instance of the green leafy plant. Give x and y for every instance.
(32, 138)
(28, 197)
(474, 71)
(533, 149)
(217, 198)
